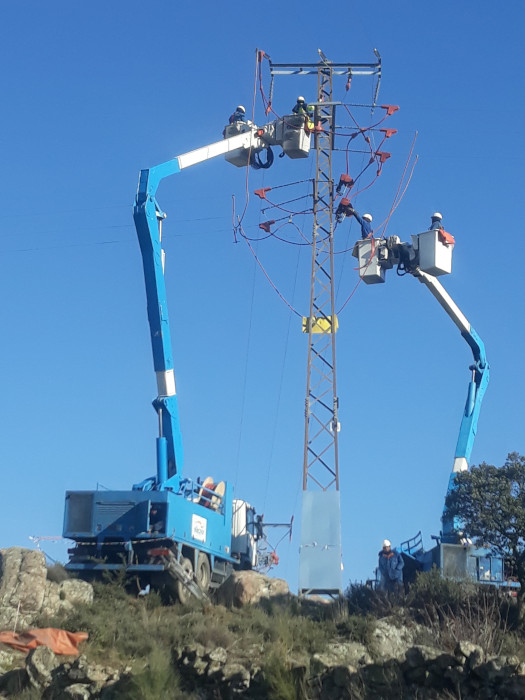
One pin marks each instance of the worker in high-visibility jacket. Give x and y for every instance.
(365, 222)
(310, 116)
(436, 221)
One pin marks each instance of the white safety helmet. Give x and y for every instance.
(437, 215)
(300, 98)
(367, 217)
(240, 108)
(386, 543)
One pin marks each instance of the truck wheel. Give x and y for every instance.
(203, 573)
(183, 594)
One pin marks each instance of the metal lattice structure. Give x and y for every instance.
(320, 564)
(320, 465)
(320, 553)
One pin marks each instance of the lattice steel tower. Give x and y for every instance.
(320, 562)
(320, 554)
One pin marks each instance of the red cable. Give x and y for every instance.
(395, 204)
(241, 218)
(268, 278)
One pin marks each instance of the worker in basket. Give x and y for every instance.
(365, 222)
(436, 221)
(301, 107)
(239, 115)
(391, 569)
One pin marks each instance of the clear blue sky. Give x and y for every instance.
(92, 92)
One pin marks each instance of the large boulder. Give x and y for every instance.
(40, 664)
(391, 640)
(249, 587)
(350, 655)
(23, 582)
(9, 658)
(65, 595)
(25, 592)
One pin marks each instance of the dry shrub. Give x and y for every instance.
(454, 611)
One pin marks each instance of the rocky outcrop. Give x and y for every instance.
(346, 671)
(351, 655)
(391, 640)
(46, 675)
(250, 587)
(391, 666)
(25, 592)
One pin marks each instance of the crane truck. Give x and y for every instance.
(169, 530)
(428, 256)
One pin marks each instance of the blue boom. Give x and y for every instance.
(169, 530)
(430, 255)
(454, 555)
(148, 219)
(476, 389)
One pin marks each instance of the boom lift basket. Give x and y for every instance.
(295, 140)
(366, 252)
(239, 156)
(435, 253)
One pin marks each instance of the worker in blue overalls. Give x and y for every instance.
(238, 115)
(435, 222)
(391, 569)
(365, 221)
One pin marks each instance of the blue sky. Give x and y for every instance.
(95, 92)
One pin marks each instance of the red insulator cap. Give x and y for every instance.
(262, 192)
(388, 132)
(390, 109)
(383, 156)
(266, 226)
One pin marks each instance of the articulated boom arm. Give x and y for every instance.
(429, 255)
(480, 370)
(148, 219)
(476, 389)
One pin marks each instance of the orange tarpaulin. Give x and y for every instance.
(59, 641)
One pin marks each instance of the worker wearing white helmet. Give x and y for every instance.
(238, 115)
(391, 569)
(365, 221)
(301, 107)
(436, 221)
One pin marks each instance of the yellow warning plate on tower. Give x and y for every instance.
(320, 325)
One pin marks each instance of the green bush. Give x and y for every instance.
(363, 600)
(56, 573)
(28, 694)
(157, 679)
(154, 679)
(431, 588)
(358, 628)
(278, 680)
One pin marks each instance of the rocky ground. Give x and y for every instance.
(236, 649)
